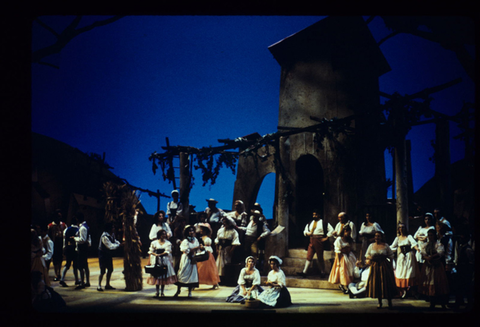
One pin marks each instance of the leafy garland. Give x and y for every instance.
(209, 160)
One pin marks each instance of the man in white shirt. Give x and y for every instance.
(319, 231)
(342, 221)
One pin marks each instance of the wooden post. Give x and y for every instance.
(185, 183)
(401, 183)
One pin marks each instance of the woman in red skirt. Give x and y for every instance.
(207, 270)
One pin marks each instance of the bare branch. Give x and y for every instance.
(67, 35)
(48, 28)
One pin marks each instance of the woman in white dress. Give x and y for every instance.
(344, 265)
(407, 271)
(277, 295)
(187, 273)
(421, 235)
(249, 282)
(367, 233)
(226, 241)
(161, 254)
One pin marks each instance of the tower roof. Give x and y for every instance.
(346, 41)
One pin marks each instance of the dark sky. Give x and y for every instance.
(124, 87)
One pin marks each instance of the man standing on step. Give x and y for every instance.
(319, 231)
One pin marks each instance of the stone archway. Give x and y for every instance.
(309, 193)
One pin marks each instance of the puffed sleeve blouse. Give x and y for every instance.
(255, 277)
(277, 277)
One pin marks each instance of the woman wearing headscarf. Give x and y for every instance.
(187, 275)
(277, 295)
(249, 282)
(207, 270)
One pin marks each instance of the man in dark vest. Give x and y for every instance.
(83, 241)
(319, 231)
(70, 253)
(255, 233)
(106, 246)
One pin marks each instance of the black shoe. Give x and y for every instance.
(108, 287)
(302, 274)
(63, 283)
(80, 287)
(99, 289)
(87, 285)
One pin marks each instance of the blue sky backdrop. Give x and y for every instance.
(124, 87)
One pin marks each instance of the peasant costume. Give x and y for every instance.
(226, 238)
(276, 296)
(381, 280)
(187, 273)
(344, 265)
(368, 232)
(156, 228)
(406, 269)
(433, 279)
(422, 231)
(207, 270)
(167, 260)
(247, 280)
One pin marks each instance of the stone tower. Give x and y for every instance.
(329, 71)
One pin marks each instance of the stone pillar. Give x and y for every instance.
(283, 211)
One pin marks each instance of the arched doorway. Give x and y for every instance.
(309, 193)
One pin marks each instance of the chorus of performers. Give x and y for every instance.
(435, 263)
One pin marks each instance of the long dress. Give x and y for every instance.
(226, 238)
(277, 296)
(406, 270)
(248, 281)
(422, 231)
(344, 265)
(381, 280)
(207, 270)
(187, 272)
(368, 232)
(167, 260)
(433, 280)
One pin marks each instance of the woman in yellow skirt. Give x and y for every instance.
(344, 265)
